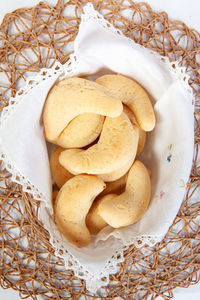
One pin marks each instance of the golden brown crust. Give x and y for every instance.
(81, 131)
(59, 174)
(93, 220)
(133, 95)
(117, 146)
(142, 133)
(72, 205)
(72, 97)
(129, 207)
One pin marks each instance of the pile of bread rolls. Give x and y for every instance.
(99, 128)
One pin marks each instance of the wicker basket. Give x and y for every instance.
(28, 263)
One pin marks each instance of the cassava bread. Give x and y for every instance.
(129, 207)
(117, 146)
(81, 131)
(72, 205)
(75, 96)
(93, 220)
(60, 174)
(142, 133)
(133, 95)
(76, 112)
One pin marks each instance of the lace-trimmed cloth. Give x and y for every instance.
(40, 235)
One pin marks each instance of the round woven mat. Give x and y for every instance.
(34, 38)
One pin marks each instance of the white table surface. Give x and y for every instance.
(184, 10)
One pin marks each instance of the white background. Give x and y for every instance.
(184, 10)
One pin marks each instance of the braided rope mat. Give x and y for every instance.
(34, 38)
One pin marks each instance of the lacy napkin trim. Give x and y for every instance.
(58, 69)
(93, 281)
(176, 70)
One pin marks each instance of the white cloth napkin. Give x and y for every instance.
(99, 48)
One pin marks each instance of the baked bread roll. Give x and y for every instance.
(72, 205)
(81, 131)
(142, 133)
(116, 147)
(59, 174)
(72, 97)
(133, 95)
(129, 207)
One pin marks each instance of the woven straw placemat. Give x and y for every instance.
(31, 39)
